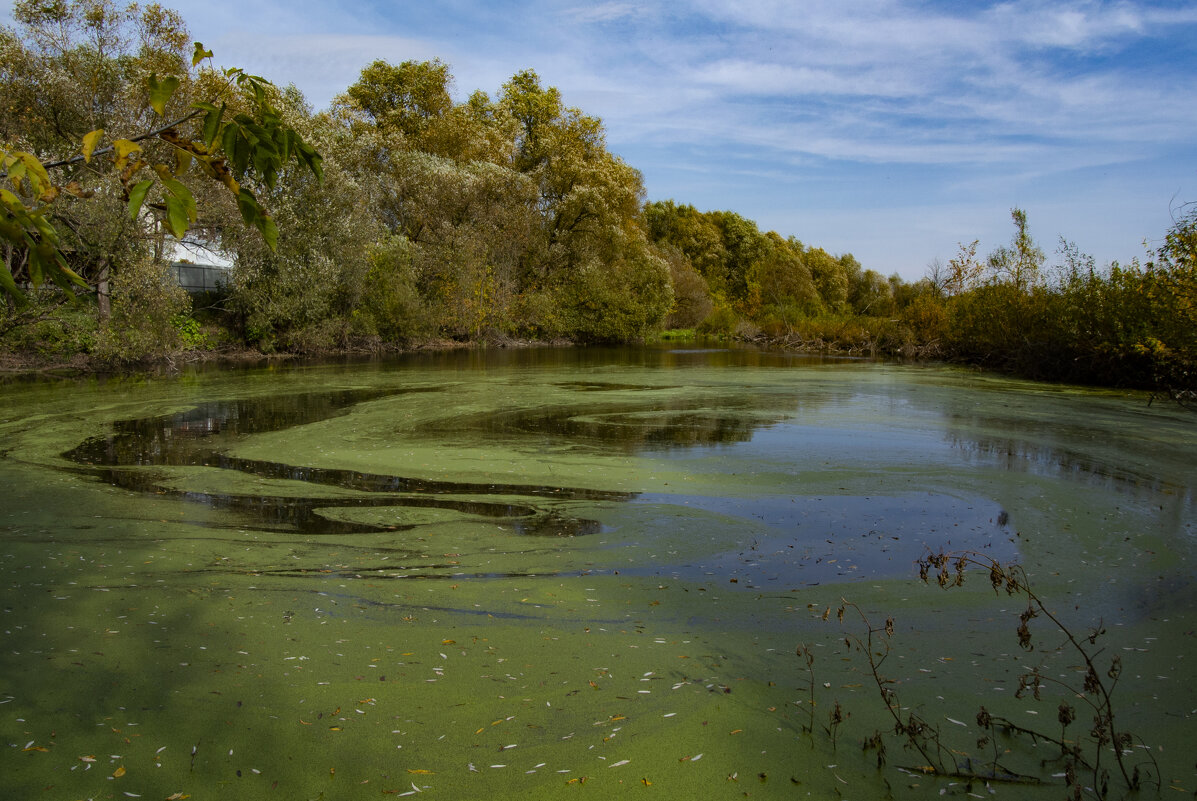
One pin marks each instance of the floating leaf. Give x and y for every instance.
(116, 774)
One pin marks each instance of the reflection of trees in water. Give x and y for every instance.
(629, 426)
(1030, 457)
(1037, 452)
(1079, 441)
(194, 438)
(175, 439)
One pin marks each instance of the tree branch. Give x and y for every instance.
(51, 165)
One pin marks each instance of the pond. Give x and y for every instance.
(512, 574)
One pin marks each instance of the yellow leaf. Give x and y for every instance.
(36, 748)
(421, 771)
(177, 796)
(116, 774)
(124, 148)
(90, 140)
(448, 642)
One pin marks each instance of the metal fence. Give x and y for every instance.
(201, 277)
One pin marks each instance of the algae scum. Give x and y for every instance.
(531, 574)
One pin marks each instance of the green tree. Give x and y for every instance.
(781, 288)
(1019, 264)
(408, 98)
(693, 234)
(871, 293)
(746, 247)
(830, 278)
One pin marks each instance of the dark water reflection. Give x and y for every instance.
(194, 438)
(631, 427)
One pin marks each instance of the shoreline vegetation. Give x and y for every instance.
(409, 220)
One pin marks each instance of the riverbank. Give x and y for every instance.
(17, 365)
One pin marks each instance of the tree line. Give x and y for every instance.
(399, 215)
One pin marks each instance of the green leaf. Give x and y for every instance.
(16, 171)
(242, 149)
(269, 232)
(247, 204)
(176, 216)
(62, 275)
(228, 142)
(12, 201)
(314, 161)
(184, 196)
(137, 197)
(212, 124)
(90, 140)
(200, 54)
(9, 287)
(35, 265)
(161, 92)
(35, 174)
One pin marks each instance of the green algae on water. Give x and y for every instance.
(521, 575)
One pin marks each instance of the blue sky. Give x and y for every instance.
(891, 129)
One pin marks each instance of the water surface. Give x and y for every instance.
(498, 573)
